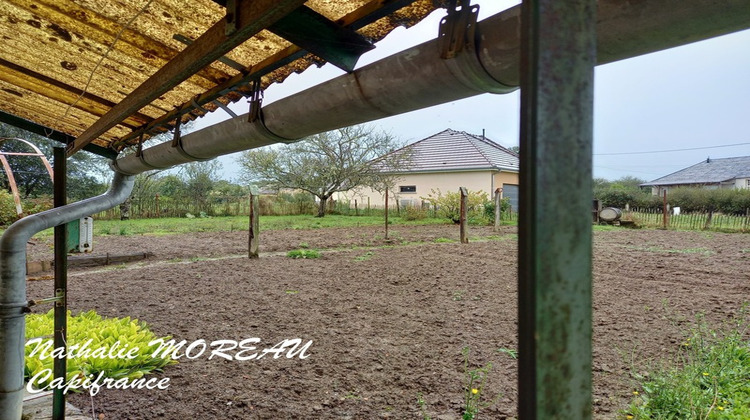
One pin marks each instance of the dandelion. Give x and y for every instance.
(629, 417)
(474, 391)
(705, 373)
(720, 408)
(635, 392)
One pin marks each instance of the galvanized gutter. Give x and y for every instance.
(13, 300)
(418, 78)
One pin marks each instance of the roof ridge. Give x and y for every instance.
(473, 137)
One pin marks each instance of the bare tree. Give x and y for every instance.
(327, 163)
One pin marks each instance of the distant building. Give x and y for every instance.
(710, 173)
(446, 161)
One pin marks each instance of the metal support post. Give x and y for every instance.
(558, 54)
(61, 283)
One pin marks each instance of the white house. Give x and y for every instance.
(710, 173)
(447, 161)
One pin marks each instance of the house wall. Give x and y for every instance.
(502, 177)
(742, 183)
(425, 183)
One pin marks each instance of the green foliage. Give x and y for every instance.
(8, 213)
(326, 163)
(449, 204)
(708, 379)
(474, 381)
(103, 333)
(489, 208)
(414, 213)
(728, 201)
(303, 253)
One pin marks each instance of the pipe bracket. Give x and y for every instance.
(14, 309)
(457, 42)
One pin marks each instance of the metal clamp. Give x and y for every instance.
(14, 309)
(457, 42)
(177, 143)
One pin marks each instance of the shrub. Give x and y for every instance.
(8, 213)
(449, 204)
(414, 213)
(103, 333)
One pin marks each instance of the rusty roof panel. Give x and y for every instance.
(52, 69)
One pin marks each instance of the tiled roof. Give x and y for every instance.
(451, 150)
(708, 171)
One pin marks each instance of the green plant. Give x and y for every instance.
(104, 333)
(364, 257)
(706, 380)
(449, 204)
(474, 381)
(124, 231)
(414, 213)
(422, 406)
(444, 241)
(303, 253)
(304, 245)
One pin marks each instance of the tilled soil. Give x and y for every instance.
(388, 319)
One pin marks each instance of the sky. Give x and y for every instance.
(647, 109)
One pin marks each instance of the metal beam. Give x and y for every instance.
(49, 133)
(252, 17)
(313, 32)
(558, 54)
(355, 20)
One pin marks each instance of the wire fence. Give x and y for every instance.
(690, 221)
(217, 206)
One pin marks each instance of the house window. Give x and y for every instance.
(408, 188)
(747, 183)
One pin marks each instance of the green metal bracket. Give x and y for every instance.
(312, 31)
(53, 134)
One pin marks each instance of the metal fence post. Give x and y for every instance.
(558, 41)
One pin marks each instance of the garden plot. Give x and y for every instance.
(389, 319)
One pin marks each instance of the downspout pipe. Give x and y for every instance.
(418, 78)
(13, 300)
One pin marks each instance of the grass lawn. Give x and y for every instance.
(168, 226)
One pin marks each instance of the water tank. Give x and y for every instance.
(610, 214)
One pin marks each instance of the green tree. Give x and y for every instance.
(327, 163)
(199, 179)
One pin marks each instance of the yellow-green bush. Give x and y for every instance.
(104, 333)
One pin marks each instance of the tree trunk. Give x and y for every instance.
(322, 206)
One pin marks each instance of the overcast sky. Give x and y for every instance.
(695, 96)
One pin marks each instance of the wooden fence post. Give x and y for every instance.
(463, 219)
(386, 213)
(254, 229)
(665, 211)
(498, 199)
(356, 209)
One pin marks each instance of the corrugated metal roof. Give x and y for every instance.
(451, 150)
(65, 63)
(707, 172)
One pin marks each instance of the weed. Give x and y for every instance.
(474, 381)
(364, 257)
(510, 352)
(707, 379)
(292, 292)
(303, 245)
(444, 241)
(124, 231)
(458, 295)
(303, 253)
(422, 407)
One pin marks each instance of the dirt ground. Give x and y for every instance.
(387, 323)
